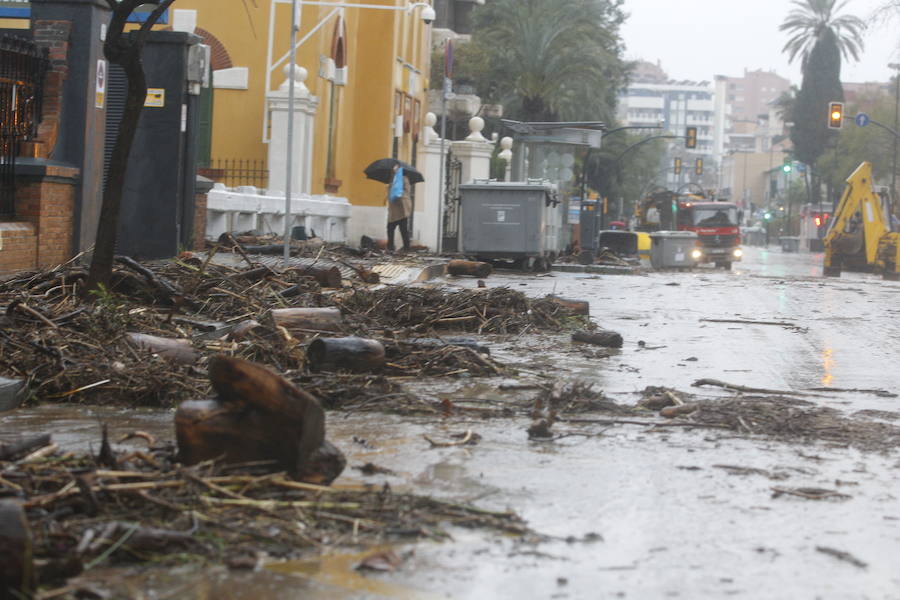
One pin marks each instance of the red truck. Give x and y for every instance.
(717, 226)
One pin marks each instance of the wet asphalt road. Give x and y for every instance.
(674, 524)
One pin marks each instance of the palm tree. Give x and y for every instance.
(812, 21)
(549, 60)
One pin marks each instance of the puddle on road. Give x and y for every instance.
(339, 571)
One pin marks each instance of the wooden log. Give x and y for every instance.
(576, 307)
(670, 412)
(315, 319)
(10, 450)
(16, 561)
(600, 337)
(449, 341)
(327, 276)
(469, 268)
(12, 393)
(177, 350)
(258, 416)
(355, 354)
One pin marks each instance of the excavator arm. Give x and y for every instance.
(859, 238)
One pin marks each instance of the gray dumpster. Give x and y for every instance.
(672, 249)
(790, 243)
(516, 220)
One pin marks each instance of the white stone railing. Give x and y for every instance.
(246, 208)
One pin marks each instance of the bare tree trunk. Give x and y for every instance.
(126, 52)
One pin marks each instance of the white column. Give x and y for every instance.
(474, 152)
(428, 194)
(506, 155)
(305, 106)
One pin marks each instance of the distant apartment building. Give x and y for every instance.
(652, 98)
(743, 106)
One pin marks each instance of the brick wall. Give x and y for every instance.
(48, 203)
(41, 235)
(18, 247)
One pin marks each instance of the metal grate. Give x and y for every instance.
(22, 69)
(235, 172)
(452, 181)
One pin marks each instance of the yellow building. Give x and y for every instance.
(367, 65)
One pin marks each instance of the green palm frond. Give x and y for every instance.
(811, 20)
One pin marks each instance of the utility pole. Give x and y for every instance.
(896, 67)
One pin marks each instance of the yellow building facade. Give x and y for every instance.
(368, 67)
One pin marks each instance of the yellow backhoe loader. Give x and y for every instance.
(860, 237)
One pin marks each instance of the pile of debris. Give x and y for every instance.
(145, 339)
(73, 513)
(487, 310)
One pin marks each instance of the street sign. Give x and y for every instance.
(862, 119)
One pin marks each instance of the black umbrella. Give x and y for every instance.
(383, 170)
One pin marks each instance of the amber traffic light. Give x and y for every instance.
(835, 115)
(698, 166)
(677, 166)
(690, 137)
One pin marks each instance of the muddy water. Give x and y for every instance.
(673, 522)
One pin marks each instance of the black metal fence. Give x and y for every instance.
(237, 171)
(22, 69)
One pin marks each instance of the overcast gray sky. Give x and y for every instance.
(698, 39)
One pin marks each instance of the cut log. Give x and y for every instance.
(11, 450)
(601, 337)
(670, 412)
(16, 561)
(469, 268)
(259, 416)
(576, 307)
(355, 354)
(12, 393)
(177, 350)
(327, 276)
(309, 319)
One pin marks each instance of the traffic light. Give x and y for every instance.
(788, 166)
(698, 166)
(690, 137)
(767, 216)
(835, 115)
(677, 166)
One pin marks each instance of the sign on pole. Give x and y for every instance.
(862, 119)
(100, 99)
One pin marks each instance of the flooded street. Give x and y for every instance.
(628, 511)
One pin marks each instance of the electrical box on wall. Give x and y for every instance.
(157, 211)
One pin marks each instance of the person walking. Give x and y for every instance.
(399, 208)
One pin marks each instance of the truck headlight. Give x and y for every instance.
(696, 254)
(738, 253)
